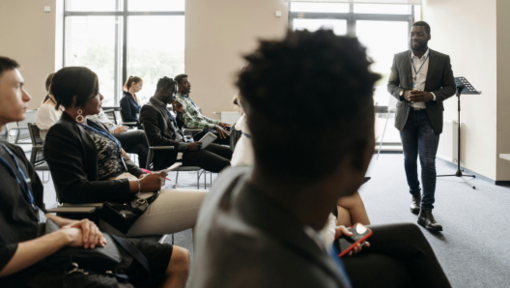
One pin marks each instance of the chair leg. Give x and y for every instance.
(382, 136)
(176, 178)
(149, 159)
(198, 180)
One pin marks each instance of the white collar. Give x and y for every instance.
(422, 57)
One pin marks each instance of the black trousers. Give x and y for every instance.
(399, 256)
(134, 142)
(213, 158)
(218, 140)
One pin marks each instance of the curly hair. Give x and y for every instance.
(180, 77)
(166, 83)
(309, 103)
(423, 24)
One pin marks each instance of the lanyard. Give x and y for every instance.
(187, 97)
(192, 102)
(172, 117)
(93, 127)
(55, 104)
(416, 72)
(26, 188)
(98, 130)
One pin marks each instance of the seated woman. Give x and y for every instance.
(132, 141)
(47, 115)
(129, 102)
(85, 160)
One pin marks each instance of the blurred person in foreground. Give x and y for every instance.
(258, 226)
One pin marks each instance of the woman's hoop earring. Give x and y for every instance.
(80, 118)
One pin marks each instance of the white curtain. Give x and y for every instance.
(406, 2)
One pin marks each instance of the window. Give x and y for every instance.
(119, 38)
(383, 29)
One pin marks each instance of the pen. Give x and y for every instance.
(147, 171)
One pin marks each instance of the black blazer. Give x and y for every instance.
(129, 108)
(439, 80)
(72, 157)
(160, 132)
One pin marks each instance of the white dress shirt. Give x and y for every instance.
(422, 74)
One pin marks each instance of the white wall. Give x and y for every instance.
(27, 34)
(503, 78)
(466, 30)
(217, 34)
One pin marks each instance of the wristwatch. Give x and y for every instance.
(402, 92)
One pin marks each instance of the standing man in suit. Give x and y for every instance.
(259, 226)
(421, 79)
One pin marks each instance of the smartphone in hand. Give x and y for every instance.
(344, 243)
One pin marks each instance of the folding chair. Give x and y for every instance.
(22, 133)
(37, 157)
(182, 168)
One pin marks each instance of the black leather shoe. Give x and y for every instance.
(415, 205)
(426, 219)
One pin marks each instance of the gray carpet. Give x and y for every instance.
(473, 249)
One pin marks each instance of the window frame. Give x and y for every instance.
(351, 18)
(120, 66)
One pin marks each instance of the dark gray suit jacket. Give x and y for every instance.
(243, 239)
(439, 80)
(161, 131)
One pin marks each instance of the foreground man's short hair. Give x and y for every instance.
(309, 103)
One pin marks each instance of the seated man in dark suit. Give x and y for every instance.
(162, 130)
(258, 226)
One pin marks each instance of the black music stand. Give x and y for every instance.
(463, 88)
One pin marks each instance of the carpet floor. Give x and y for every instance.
(473, 248)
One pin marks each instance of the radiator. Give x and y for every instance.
(448, 141)
(230, 117)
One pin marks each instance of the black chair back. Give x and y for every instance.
(150, 154)
(111, 116)
(37, 157)
(23, 135)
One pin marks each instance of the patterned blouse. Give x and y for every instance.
(109, 159)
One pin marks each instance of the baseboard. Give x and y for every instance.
(502, 183)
